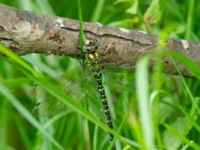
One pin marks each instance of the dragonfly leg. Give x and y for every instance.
(108, 50)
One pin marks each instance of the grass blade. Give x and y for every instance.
(24, 112)
(98, 10)
(143, 102)
(81, 25)
(190, 18)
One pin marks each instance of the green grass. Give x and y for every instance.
(151, 110)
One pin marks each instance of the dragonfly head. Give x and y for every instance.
(91, 45)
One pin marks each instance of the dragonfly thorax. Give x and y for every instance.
(90, 45)
(91, 53)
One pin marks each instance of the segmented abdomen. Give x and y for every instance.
(104, 101)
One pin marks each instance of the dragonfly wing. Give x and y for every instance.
(75, 85)
(48, 108)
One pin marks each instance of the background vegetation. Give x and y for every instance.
(150, 110)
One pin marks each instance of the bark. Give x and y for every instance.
(25, 32)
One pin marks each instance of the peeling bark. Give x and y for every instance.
(25, 32)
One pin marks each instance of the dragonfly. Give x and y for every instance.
(94, 66)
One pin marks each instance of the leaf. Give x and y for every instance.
(170, 140)
(121, 1)
(133, 8)
(152, 15)
(164, 110)
(178, 134)
(125, 23)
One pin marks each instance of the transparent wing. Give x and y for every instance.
(76, 83)
(46, 105)
(80, 85)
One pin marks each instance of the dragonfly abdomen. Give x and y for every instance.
(104, 101)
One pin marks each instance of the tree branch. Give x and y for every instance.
(25, 32)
